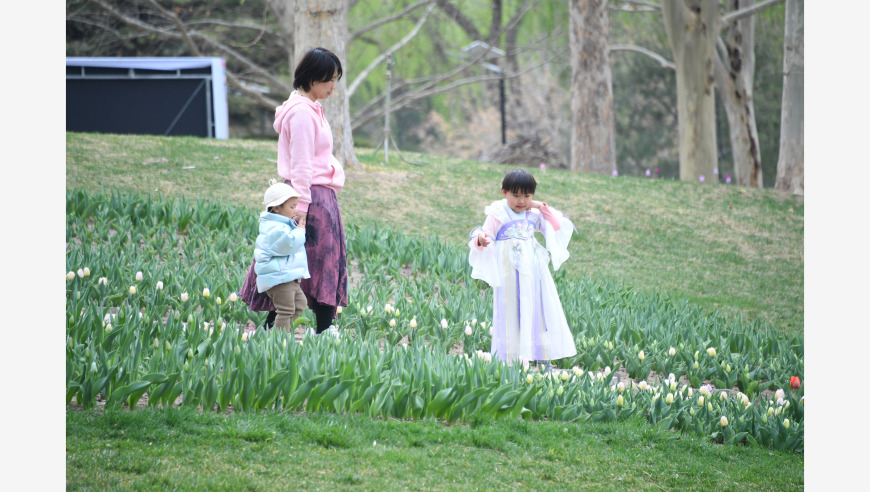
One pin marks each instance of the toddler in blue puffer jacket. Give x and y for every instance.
(279, 254)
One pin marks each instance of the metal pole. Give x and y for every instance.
(501, 97)
(387, 112)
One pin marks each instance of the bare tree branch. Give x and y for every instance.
(262, 28)
(180, 25)
(365, 73)
(662, 61)
(361, 117)
(277, 84)
(429, 83)
(636, 6)
(232, 25)
(460, 18)
(742, 13)
(188, 37)
(262, 100)
(385, 20)
(99, 25)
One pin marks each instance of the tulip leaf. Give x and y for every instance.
(301, 393)
(335, 391)
(370, 392)
(124, 392)
(440, 403)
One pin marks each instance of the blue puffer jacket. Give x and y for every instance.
(279, 252)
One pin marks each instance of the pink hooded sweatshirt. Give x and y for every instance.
(305, 148)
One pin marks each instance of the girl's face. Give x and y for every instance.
(518, 201)
(287, 209)
(322, 90)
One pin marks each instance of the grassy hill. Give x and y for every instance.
(725, 249)
(734, 250)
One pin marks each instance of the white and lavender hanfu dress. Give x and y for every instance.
(528, 320)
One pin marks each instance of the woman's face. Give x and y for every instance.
(322, 90)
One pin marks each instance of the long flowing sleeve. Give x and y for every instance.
(483, 259)
(557, 239)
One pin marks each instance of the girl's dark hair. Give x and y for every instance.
(519, 181)
(318, 65)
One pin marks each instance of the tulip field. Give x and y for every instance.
(153, 318)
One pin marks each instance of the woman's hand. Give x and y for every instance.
(300, 218)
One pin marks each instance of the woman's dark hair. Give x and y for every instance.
(519, 181)
(318, 65)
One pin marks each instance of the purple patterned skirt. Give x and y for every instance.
(327, 258)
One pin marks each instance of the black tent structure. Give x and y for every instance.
(156, 96)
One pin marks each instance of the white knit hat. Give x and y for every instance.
(278, 193)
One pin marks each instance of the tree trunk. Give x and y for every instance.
(592, 126)
(324, 23)
(735, 73)
(692, 28)
(790, 167)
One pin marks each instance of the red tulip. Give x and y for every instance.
(795, 382)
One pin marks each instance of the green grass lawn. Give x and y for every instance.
(182, 449)
(734, 250)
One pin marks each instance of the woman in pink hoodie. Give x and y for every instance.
(306, 163)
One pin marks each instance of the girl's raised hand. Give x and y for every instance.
(483, 239)
(536, 204)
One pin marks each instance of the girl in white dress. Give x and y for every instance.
(528, 320)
